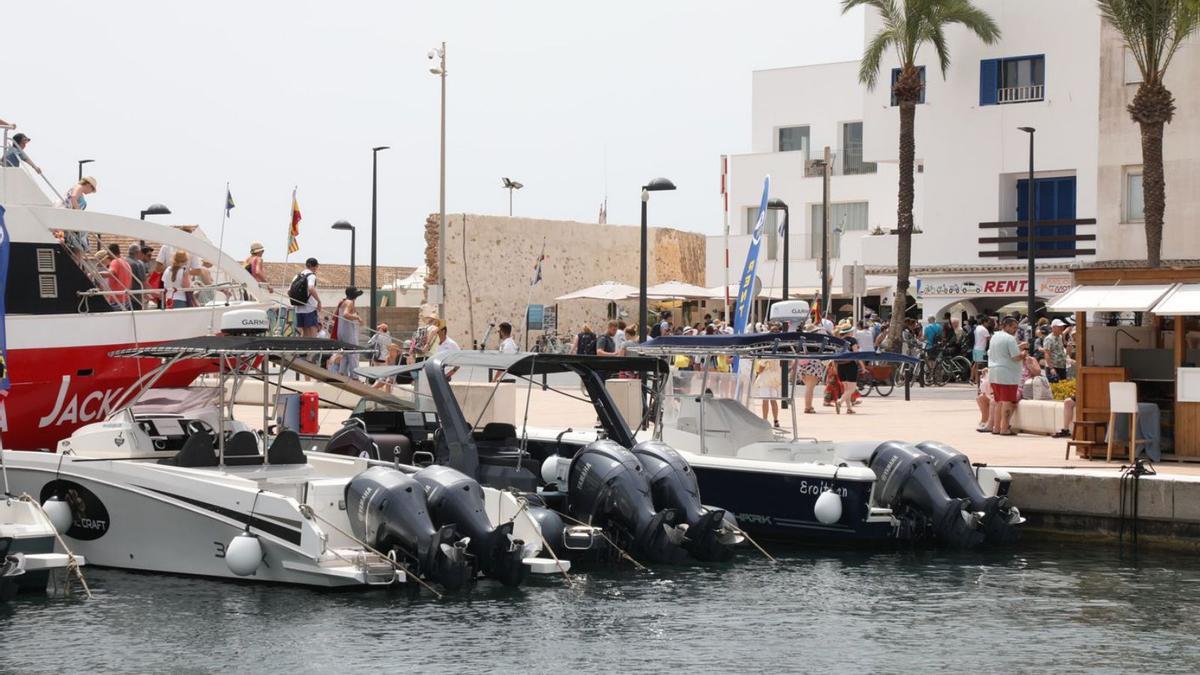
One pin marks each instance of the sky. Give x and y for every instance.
(575, 100)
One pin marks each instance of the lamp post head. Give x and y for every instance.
(86, 161)
(154, 209)
(380, 147)
(659, 184)
(777, 204)
(512, 184)
(342, 225)
(1028, 130)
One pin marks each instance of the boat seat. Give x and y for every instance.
(198, 451)
(285, 449)
(241, 449)
(497, 431)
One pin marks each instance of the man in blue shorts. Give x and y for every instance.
(307, 314)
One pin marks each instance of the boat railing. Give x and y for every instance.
(107, 294)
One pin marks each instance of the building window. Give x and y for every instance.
(1135, 205)
(896, 76)
(843, 218)
(852, 150)
(1013, 80)
(770, 229)
(793, 139)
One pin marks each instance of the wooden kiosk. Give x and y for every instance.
(1138, 325)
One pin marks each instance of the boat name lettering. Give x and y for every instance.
(94, 405)
(807, 488)
(89, 517)
(755, 518)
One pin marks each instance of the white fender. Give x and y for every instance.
(828, 508)
(244, 554)
(59, 512)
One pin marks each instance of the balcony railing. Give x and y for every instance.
(1033, 92)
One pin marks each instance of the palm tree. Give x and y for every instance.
(1152, 30)
(907, 26)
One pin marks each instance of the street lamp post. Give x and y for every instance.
(374, 230)
(656, 185)
(81, 163)
(511, 185)
(154, 210)
(1030, 252)
(346, 226)
(440, 71)
(826, 169)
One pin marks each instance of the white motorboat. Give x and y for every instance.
(27, 543)
(167, 492)
(784, 486)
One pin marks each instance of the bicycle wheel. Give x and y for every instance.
(864, 388)
(941, 374)
(885, 387)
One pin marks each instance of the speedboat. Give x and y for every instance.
(170, 492)
(59, 325)
(27, 543)
(785, 486)
(614, 493)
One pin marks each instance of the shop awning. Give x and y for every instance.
(1183, 300)
(607, 290)
(678, 290)
(1133, 298)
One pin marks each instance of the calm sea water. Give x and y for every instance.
(1042, 607)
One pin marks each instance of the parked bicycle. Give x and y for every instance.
(881, 378)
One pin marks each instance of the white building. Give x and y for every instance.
(972, 161)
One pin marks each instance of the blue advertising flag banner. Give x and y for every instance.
(745, 298)
(4, 246)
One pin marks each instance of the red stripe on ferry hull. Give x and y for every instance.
(57, 390)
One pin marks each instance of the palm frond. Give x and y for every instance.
(868, 68)
(1152, 30)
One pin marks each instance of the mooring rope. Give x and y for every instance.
(549, 549)
(307, 511)
(72, 562)
(612, 543)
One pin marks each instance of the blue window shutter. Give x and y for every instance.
(989, 76)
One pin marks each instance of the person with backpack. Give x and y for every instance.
(585, 341)
(304, 297)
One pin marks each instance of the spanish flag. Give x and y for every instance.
(294, 228)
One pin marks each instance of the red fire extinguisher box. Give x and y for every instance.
(309, 410)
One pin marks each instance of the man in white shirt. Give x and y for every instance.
(507, 344)
(446, 343)
(826, 325)
(865, 337)
(979, 355)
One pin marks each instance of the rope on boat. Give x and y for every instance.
(72, 562)
(612, 543)
(307, 512)
(751, 540)
(549, 549)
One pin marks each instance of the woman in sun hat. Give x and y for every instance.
(76, 195)
(254, 264)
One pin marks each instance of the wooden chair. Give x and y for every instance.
(1087, 436)
(1122, 400)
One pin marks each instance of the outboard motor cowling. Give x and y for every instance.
(609, 489)
(388, 510)
(457, 499)
(906, 478)
(711, 533)
(954, 470)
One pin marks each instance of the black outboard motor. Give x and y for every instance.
(711, 533)
(609, 489)
(388, 510)
(906, 479)
(954, 469)
(456, 499)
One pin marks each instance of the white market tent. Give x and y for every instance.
(605, 290)
(677, 290)
(1183, 300)
(1131, 298)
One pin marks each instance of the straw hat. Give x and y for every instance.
(256, 247)
(90, 181)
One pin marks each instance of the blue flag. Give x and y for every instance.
(745, 298)
(228, 201)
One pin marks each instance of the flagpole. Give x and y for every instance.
(220, 249)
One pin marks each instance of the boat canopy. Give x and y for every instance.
(534, 363)
(239, 345)
(783, 346)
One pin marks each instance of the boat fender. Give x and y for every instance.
(244, 554)
(59, 512)
(828, 507)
